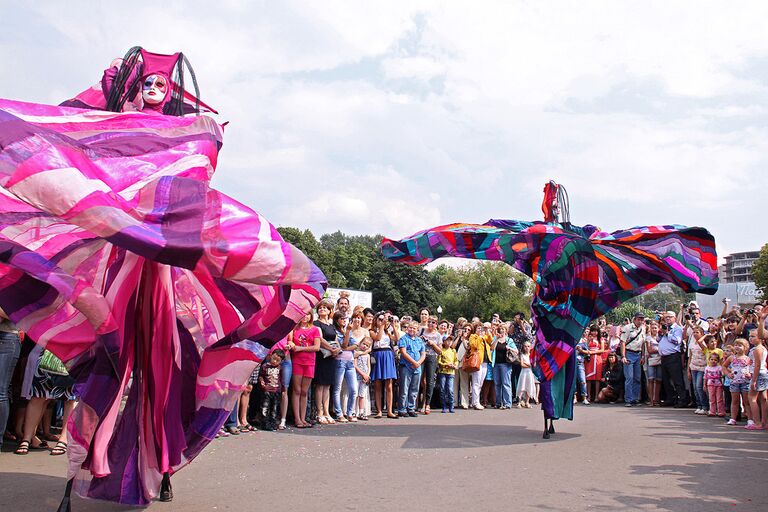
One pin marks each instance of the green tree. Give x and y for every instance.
(627, 310)
(662, 299)
(760, 271)
(403, 289)
(482, 290)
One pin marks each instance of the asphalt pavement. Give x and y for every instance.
(610, 458)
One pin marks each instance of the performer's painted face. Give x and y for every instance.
(154, 89)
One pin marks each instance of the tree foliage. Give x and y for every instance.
(356, 262)
(760, 271)
(662, 298)
(482, 290)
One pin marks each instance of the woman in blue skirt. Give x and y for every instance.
(383, 334)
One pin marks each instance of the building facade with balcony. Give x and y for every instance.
(738, 267)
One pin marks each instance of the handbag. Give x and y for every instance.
(513, 356)
(326, 352)
(52, 364)
(471, 362)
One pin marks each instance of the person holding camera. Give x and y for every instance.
(506, 354)
(582, 354)
(632, 348)
(433, 341)
(670, 345)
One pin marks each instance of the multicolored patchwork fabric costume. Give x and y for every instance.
(160, 293)
(580, 273)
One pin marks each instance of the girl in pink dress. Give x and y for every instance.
(594, 366)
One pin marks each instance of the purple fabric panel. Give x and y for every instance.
(136, 144)
(123, 458)
(181, 202)
(13, 129)
(239, 297)
(205, 425)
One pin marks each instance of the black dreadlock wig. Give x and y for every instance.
(127, 83)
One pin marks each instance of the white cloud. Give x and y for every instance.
(392, 117)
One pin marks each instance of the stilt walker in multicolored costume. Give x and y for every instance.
(580, 273)
(158, 292)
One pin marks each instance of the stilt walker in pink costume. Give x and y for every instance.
(158, 292)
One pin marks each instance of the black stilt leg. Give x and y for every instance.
(546, 429)
(65, 506)
(551, 426)
(166, 492)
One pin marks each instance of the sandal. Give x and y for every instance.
(363, 418)
(321, 420)
(22, 449)
(427, 410)
(330, 420)
(392, 416)
(281, 426)
(59, 449)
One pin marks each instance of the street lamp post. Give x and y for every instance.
(439, 311)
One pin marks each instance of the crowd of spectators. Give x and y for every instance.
(343, 364)
(371, 364)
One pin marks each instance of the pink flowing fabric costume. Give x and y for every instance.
(159, 292)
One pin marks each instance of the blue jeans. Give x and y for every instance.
(409, 388)
(697, 383)
(445, 386)
(345, 370)
(632, 377)
(232, 419)
(581, 378)
(502, 380)
(9, 356)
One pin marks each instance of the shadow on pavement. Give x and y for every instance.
(42, 493)
(441, 436)
(728, 479)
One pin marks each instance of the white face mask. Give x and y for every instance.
(154, 89)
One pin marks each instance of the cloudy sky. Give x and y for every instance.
(390, 117)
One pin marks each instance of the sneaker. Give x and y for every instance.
(444, 410)
(731, 422)
(478, 407)
(451, 411)
(628, 404)
(585, 402)
(412, 414)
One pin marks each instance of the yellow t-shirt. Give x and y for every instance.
(446, 360)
